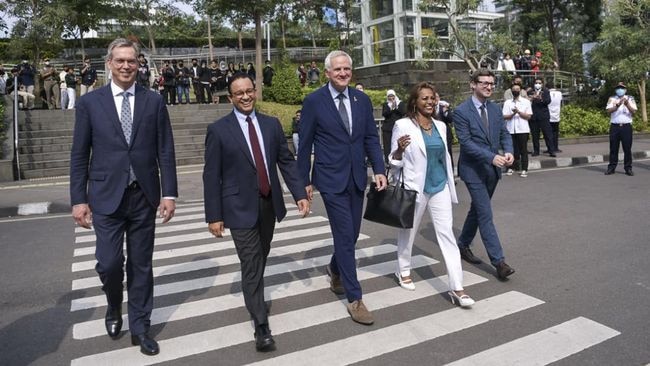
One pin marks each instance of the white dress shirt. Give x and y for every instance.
(622, 114)
(517, 124)
(241, 119)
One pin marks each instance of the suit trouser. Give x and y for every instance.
(344, 213)
(555, 128)
(386, 137)
(543, 125)
(253, 246)
(134, 217)
(520, 147)
(480, 217)
(440, 211)
(620, 134)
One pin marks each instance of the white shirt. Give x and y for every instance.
(506, 64)
(348, 106)
(117, 98)
(241, 118)
(554, 106)
(516, 124)
(62, 78)
(622, 114)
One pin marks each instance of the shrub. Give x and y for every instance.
(285, 88)
(283, 112)
(578, 121)
(3, 126)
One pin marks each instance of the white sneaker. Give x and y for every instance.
(523, 174)
(405, 282)
(509, 172)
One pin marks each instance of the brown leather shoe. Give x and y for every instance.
(360, 313)
(504, 270)
(335, 281)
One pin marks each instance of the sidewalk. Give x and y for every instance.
(50, 195)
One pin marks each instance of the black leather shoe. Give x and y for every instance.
(552, 155)
(468, 256)
(534, 154)
(609, 172)
(504, 270)
(113, 322)
(629, 172)
(263, 339)
(558, 151)
(148, 345)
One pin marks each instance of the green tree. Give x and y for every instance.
(38, 28)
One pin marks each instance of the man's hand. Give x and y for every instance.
(499, 161)
(82, 215)
(166, 209)
(509, 159)
(303, 207)
(310, 192)
(216, 228)
(381, 182)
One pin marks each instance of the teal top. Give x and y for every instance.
(436, 162)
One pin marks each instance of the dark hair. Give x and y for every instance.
(239, 75)
(299, 111)
(413, 96)
(195, 60)
(359, 84)
(481, 72)
(540, 79)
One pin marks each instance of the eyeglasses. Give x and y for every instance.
(119, 61)
(485, 83)
(240, 93)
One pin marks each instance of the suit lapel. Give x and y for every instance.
(267, 135)
(479, 120)
(140, 104)
(235, 131)
(108, 105)
(333, 108)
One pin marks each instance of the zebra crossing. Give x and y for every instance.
(197, 282)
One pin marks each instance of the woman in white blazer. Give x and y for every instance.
(419, 153)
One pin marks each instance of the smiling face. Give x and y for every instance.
(483, 87)
(123, 64)
(425, 102)
(242, 95)
(339, 73)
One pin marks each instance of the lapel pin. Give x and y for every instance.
(355, 98)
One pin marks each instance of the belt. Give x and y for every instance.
(620, 124)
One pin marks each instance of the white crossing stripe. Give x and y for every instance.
(171, 269)
(375, 343)
(95, 328)
(544, 347)
(232, 277)
(206, 248)
(214, 339)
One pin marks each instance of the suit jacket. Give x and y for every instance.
(414, 159)
(478, 147)
(338, 156)
(100, 156)
(540, 106)
(230, 182)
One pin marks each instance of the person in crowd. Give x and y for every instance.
(71, 83)
(196, 73)
(182, 83)
(231, 68)
(25, 99)
(419, 156)
(215, 80)
(63, 88)
(481, 133)
(392, 110)
(250, 70)
(169, 81)
(525, 66)
(249, 201)
(621, 108)
(295, 131)
(267, 74)
(313, 75)
(554, 113)
(26, 76)
(143, 72)
(341, 145)
(88, 77)
(516, 80)
(3, 81)
(359, 87)
(541, 119)
(241, 67)
(302, 75)
(443, 113)
(50, 84)
(506, 64)
(516, 112)
(117, 189)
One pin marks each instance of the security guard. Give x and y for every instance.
(621, 107)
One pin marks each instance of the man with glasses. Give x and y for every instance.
(481, 133)
(122, 159)
(242, 191)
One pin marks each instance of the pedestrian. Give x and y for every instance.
(295, 131)
(392, 110)
(313, 75)
(554, 112)
(143, 72)
(302, 75)
(63, 88)
(516, 112)
(88, 77)
(71, 83)
(242, 191)
(116, 182)
(419, 157)
(621, 107)
(50, 84)
(250, 70)
(359, 86)
(267, 74)
(481, 133)
(26, 76)
(182, 83)
(341, 145)
(540, 98)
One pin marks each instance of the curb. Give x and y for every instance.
(546, 163)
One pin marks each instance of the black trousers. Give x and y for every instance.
(198, 92)
(620, 134)
(135, 218)
(520, 147)
(170, 94)
(386, 137)
(253, 246)
(555, 128)
(543, 125)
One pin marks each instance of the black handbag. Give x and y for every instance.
(394, 206)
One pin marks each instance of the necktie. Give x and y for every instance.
(127, 126)
(262, 177)
(484, 118)
(344, 113)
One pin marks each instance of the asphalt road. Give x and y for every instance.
(577, 239)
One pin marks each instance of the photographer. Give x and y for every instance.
(88, 77)
(621, 108)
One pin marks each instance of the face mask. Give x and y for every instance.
(515, 94)
(620, 92)
(538, 86)
(47, 63)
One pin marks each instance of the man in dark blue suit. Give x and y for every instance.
(482, 132)
(338, 121)
(122, 157)
(242, 191)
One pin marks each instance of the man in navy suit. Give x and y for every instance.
(122, 157)
(338, 121)
(481, 132)
(242, 191)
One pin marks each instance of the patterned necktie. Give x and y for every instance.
(484, 118)
(262, 177)
(127, 126)
(343, 111)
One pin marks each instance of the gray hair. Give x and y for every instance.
(334, 54)
(121, 42)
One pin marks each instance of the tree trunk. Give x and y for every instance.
(549, 9)
(311, 34)
(240, 43)
(83, 48)
(258, 54)
(210, 38)
(284, 36)
(644, 104)
(152, 41)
